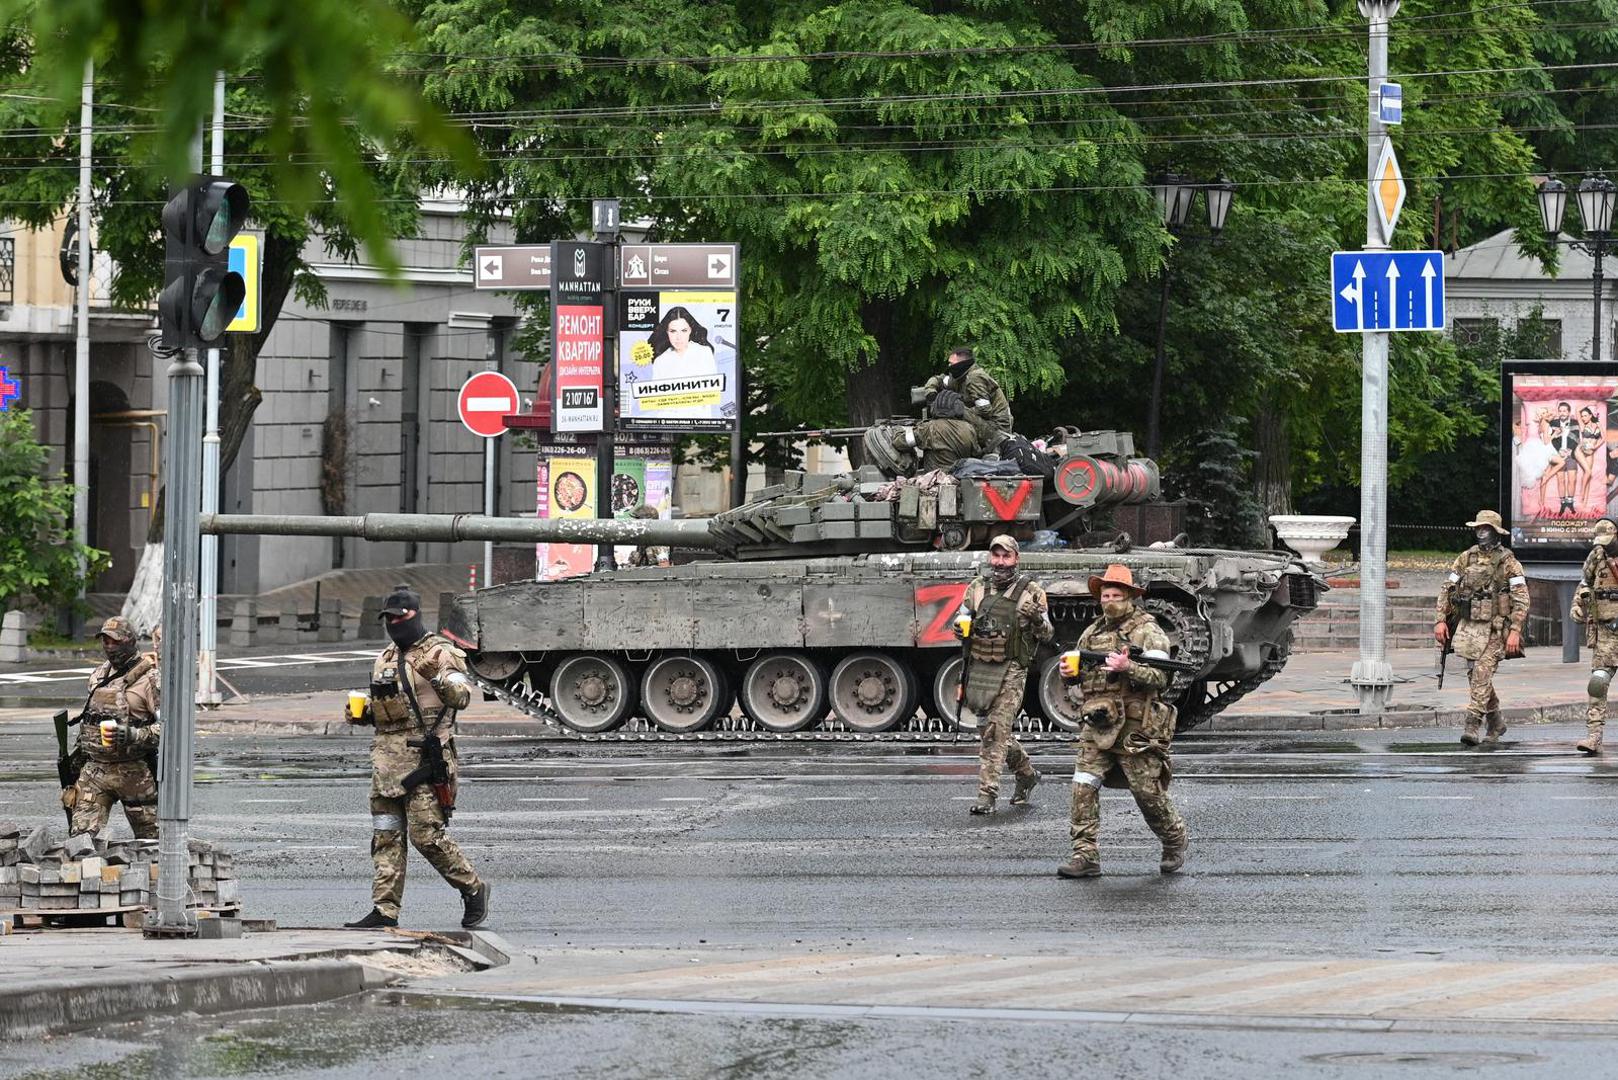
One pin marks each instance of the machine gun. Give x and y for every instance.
(69, 763)
(433, 770)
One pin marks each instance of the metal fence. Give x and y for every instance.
(8, 269)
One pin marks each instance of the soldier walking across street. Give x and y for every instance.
(1595, 604)
(118, 736)
(1128, 726)
(1482, 606)
(1002, 619)
(418, 683)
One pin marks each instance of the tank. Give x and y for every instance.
(823, 608)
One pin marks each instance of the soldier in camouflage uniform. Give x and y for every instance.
(120, 768)
(1005, 616)
(1482, 606)
(1595, 604)
(948, 436)
(418, 683)
(1128, 727)
(984, 399)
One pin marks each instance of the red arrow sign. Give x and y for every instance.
(487, 398)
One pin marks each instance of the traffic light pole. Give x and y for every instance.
(208, 643)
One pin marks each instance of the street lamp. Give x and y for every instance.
(1596, 196)
(1174, 195)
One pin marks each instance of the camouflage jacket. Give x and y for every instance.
(1126, 712)
(981, 394)
(437, 673)
(1485, 587)
(1033, 609)
(131, 699)
(1596, 598)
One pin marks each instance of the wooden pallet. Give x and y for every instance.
(133, 917)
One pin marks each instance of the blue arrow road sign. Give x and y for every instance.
(1391, 103)
(1387, 290)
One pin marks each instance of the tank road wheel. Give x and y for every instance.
(684, 693)
(946, 685)
(784, 691)
(497, 667)
(1055, 704)
(592, 692)
(871, 692)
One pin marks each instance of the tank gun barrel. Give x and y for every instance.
(689, 532)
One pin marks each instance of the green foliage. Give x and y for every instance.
(1211, 470)
(322, 102)
(39, 561)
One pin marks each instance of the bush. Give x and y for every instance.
(40, 565)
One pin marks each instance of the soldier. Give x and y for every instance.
(1482, 606)
(1128, 728)
(982, 395)
(947, 437)
(418, 683)
(1002, 619)
(118, 736)
(1595, 604)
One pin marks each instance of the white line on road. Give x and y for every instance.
(683, 800)
(1286, 796)
(834, 798)
(244, 801)
(580, 799)
(1452, 798)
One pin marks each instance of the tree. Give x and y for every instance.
(40, 564)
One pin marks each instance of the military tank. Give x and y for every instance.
(823, 607)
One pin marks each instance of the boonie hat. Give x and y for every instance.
(1488, 518)
(1118, 576)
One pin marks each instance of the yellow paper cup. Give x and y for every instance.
(108, 728)
(357, 700)
(1070, 665)
(963, 625)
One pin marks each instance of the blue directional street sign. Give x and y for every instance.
(1387, 291)
(1391, 103)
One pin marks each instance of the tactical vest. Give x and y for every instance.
(1483, 591)
(111, 702)
(391, 712)
(1094, 677)
(1602, 578)
(997, 633)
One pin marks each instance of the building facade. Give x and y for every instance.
(1492, 282)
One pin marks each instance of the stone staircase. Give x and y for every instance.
(1335, 624)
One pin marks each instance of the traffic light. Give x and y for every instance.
(201, 294)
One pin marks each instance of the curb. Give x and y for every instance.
(1352, 720)
(56, 1006)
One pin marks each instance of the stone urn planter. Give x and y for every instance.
(1311, 536)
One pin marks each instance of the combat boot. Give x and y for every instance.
(476, 905)
(1469, 734)
(1591, 743)
(1173, 858)
(374, 920)
(1079, 868)
(1496, 728)
(1025, 787)
(984, 805)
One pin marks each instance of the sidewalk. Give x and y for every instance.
(53, 980)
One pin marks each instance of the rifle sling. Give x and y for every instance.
(406, 670)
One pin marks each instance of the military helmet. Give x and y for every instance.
(1490, 519)
(1605, 533)
(117, 628)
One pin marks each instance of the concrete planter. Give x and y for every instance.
(1310, 535)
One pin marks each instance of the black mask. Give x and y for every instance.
(120, 654)
(1487, 538)
(958, 368)
(407, 632)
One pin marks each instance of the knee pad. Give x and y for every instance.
(1085, 779)
(1600, 679)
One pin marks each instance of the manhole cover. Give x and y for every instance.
(1454, 1059)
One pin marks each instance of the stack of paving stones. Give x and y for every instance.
(81, 873)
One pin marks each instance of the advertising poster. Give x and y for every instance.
(566, 490)
(579, 355)
(1564, 445)
(677, 360)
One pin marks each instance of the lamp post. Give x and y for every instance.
(1596, 196)
(1174, 195)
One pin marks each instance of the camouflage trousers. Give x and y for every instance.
(997, 746)
(1144, 774)
(420, 815)
(1483, 703)
(103, 783)
(1603, 654)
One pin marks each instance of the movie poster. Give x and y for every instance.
(677, 361)
(1564, 443)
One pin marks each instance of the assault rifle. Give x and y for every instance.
(69, 763)
(1138, 655)
(433, 770)
(1445, 649)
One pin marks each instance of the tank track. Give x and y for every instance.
(1187, 626)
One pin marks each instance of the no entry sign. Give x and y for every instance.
(487, 398)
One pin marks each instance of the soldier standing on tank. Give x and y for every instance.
(1128, 726)
(1002, 619)
(118, 736)
(1595, 604)
(1482, 606)
(418, 683)
(982, 395)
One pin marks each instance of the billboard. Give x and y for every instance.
(1559, 446)
(677, 362)
(566, 488)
